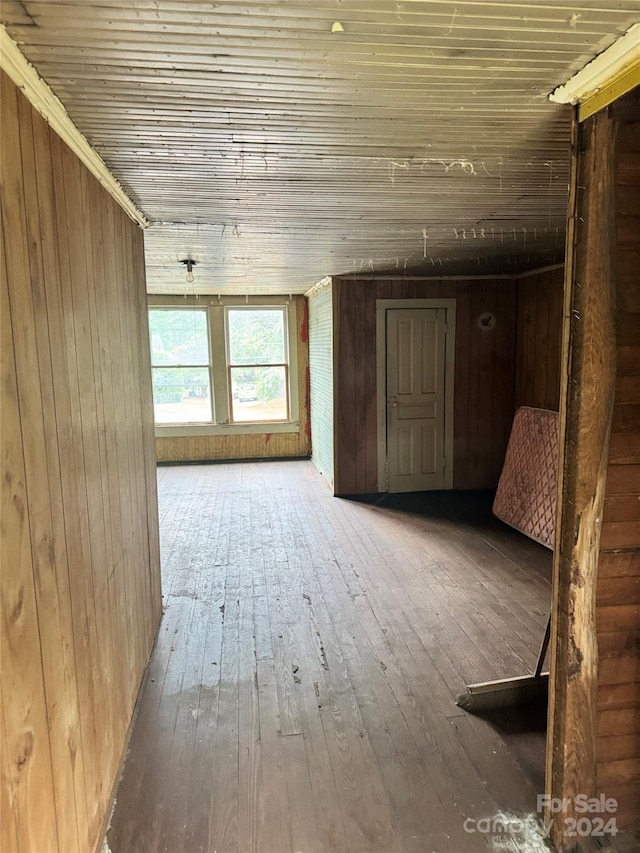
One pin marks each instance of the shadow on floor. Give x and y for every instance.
(522, 727)
(471, 510)
(461, 506)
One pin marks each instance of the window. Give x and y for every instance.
(257, 363)
(180, 365)
(220, 366)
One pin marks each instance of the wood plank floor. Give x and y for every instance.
(301, 692)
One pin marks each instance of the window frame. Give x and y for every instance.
(207, 367)
(283, 310)
(220, 385)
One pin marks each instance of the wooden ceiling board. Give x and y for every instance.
(419, 139)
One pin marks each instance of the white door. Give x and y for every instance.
(416, 374)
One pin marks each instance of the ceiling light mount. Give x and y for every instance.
(189, 264)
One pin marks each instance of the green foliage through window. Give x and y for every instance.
(182, 388)
(256, 336)
(257, 370)
(257, 364)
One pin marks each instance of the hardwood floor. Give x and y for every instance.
(301, 691)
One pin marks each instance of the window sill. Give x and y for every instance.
(263, 428)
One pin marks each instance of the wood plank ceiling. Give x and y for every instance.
(279, 142)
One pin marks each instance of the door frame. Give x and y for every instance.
(382, 306)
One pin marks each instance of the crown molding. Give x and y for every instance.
(42, 98)
(319, 285)
(612, 73)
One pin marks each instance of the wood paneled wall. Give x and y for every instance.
(618, 590)
(194, 448)
(264, 445)
(80, 558)
(484, 376)
(539, 338)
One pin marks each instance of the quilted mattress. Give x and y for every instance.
(526, 495)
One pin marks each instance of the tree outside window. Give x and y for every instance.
(180, 365)
(258, 364)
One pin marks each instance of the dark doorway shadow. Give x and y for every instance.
(523, 729)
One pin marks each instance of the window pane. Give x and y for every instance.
(259, 394)
(181, 394)
(256, 336)
(178, 337)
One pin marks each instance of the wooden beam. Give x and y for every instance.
(585, 418)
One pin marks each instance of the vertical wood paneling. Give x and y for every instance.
(70, 437)
(539, 333)
(346, 438)
(370, 370)
(8, 825)
(475, 389)
(483, 384)
(80, 564)
(618, 590)
(360, 397)
(504, 379)
(462, 293)
(45, 504)
(26, 755)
